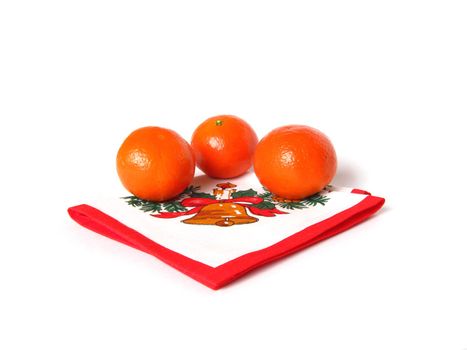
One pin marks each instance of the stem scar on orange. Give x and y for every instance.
(155, 163)
(295, 161)
(224, 146)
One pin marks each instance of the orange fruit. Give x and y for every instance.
(224, 146)
(155, 163)
(295, 161)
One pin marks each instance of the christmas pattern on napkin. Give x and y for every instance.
(217, 231)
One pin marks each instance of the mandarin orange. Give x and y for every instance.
(295, 161)
(155, 164)
(224, 146)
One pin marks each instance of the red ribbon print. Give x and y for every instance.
(198, 203)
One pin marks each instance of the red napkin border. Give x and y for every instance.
(217, 277)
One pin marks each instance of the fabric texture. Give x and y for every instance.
(217, 232)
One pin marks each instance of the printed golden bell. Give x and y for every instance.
(221, 214)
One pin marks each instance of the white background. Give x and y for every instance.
(387, 81)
